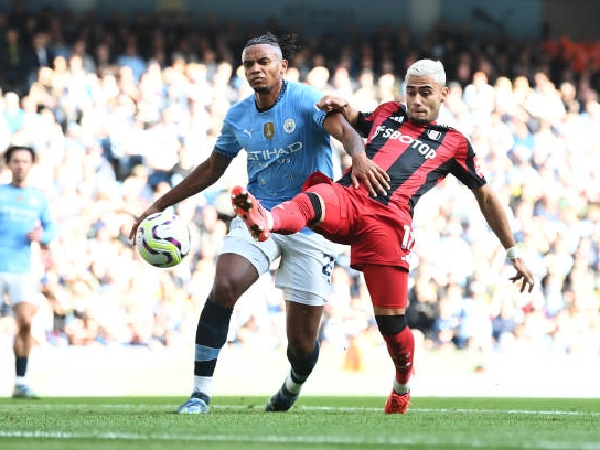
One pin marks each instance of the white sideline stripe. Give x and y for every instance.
(526, 412)
(478, 443)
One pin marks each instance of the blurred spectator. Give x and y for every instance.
(13, 113)
(475, 326)
(15, 64)
(79, 49)
(132, 59)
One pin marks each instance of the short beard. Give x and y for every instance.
(262, 90)
(420, 121)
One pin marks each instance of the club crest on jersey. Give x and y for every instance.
(434, 135)
(398, 119)
(269, 130)
(289, 125)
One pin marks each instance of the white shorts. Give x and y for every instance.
(20, 288)
(305, 267)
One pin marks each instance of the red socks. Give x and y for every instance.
(401, 348)
(290, 217)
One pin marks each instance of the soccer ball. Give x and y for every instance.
(163, 239)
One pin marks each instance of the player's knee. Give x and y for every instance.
(390, 325)
(24, 326)
(225, 292)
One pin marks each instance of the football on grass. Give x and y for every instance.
(163, 239)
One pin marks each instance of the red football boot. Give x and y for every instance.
(396, 403)
(252, 212)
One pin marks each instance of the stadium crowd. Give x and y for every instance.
(118, 111)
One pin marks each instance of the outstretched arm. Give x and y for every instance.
(494, 214)
(363, 168)
(199, 179)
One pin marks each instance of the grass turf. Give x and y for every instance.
(149, 423)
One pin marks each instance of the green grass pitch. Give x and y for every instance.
(330, 423)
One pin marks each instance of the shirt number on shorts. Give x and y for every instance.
(327, 269)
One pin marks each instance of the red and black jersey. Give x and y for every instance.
(416, 156)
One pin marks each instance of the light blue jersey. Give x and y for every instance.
(285, 143)
(21, 209)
